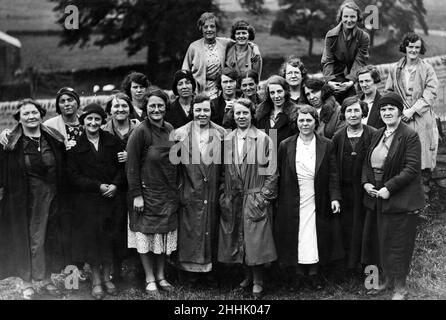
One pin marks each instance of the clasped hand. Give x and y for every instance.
(108, 190)
(381, 193)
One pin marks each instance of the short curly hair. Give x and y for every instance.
(246, 103)
(205, 17)
(136, 77)
(351, 101)
(243, 25)
(374, 73)
(23, 102)
(412, 37)
(121, 96)
(293, 61)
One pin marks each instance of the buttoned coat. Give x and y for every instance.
(246, 226)
(327, 189)
(402, 172)
(422, 101)
(200, 179)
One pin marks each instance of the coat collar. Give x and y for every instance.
(17, 133)
(83, 144)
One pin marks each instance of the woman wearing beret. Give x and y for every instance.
(346, 50)
(351, 144)
(307, 221)
(154, 193)
(96, 174)
(243, 55)
(31, 179)
(391, 178)
(183, 88)
(416, 82)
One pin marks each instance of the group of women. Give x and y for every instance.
(295, 175)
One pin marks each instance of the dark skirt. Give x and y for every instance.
(352, 223)
(93, 229)
(389, 240)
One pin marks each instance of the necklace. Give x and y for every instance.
(211, 46)
(36, 139)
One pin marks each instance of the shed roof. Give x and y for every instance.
(11, 40)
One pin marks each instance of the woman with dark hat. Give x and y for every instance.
(31, 178)
(96, 174)
(183, 88)
(391, 178)
(243, 55)
(154, 193)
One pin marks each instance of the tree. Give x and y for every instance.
(307, 18)
(165, 27)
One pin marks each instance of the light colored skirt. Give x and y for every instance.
(157, 243)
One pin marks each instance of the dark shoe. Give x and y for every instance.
(164, 285)
(97, 292)
(110, 288)
(315, 282)
(257, 291)
(28, 293)
(52, 290)
(245, 284)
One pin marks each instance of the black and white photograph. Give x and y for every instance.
(219, 157)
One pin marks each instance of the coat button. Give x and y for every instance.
(205, 202)
(205, 179)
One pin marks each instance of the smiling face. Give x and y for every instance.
(249, 87)
(156, 108)
(293, 75)
(242, 116)
(349, 18)
(137, 91)
(277, 94)
(92, 123)
(209, 30)
(241, 37)
(390, 115)
(68, 105)
(202, 113)
(30, 116)
(413, 50)
(185, 88)
(228, 86)
(353, 115)
(120, 110)
(313, 97)
(306, 124)
(366, 83)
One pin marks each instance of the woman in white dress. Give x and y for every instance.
(307, 229)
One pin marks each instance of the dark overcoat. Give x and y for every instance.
(246, 225)
(93, 220)
(15, 251)
(327, 189)
(200, 178)
(402, 172)
(353, 212)
(374, 120)
(176, 115)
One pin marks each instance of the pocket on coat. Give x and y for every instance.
(256, 207)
